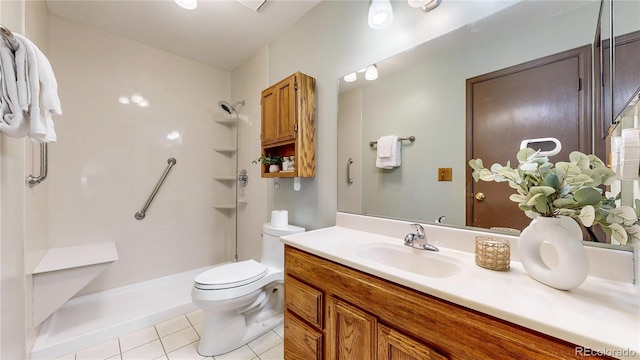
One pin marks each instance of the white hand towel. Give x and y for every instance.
(398, 153)
(384, 145)
(395, 154)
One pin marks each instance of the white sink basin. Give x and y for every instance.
(420, 262)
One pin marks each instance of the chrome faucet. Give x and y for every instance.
(413, 239)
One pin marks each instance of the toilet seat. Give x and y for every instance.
(231, 275)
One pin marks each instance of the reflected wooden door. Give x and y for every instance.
(547, 97)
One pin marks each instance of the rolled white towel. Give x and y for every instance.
(43, 86)
(22, 76)
(14, 122)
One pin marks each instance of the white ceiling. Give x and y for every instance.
(221, 33)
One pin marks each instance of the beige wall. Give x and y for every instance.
(12, 222)
(109, 156)
(247, 81)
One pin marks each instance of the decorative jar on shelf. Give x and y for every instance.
(565, 235)
(274, 168)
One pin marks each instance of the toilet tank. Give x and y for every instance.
(272, 249)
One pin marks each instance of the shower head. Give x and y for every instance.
(228, 108)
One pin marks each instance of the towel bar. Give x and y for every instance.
(410, 138)
(33, 180)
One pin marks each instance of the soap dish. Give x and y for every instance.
(493, 253)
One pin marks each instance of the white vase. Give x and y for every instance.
(273, 168)
(565, 235)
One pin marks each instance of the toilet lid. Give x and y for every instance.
(231, 275)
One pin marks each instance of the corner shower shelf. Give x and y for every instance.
(226, 121)
(231, 121)
(224, 206)
(225, 178)
(228, 150)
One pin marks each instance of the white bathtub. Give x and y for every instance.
(90, 319)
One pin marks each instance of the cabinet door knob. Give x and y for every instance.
(480, 196)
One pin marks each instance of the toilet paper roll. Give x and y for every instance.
(279, 218)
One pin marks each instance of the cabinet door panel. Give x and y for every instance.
(352, 332)
(393, 345)
(301, 342)
(286, 109)
(269, 116)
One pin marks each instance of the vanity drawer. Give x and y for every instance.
(304, 300)
(301, 341)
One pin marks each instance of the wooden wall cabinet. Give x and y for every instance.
(288, 123)
(338, 313)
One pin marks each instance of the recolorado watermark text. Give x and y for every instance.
(585, 351)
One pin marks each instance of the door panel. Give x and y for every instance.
(542, 98)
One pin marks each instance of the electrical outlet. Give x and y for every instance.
(444, 174)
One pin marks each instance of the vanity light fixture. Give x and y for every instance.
(371, 73)
(187, 4)
(350, 77)
(425, 5)
(380, 14)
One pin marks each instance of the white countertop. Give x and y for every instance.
(600, 314)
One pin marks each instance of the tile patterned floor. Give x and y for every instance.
(176, 339)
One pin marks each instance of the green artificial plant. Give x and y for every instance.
(268, 159)
(566, 188)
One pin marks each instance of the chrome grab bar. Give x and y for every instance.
(142, 213)
(33, 180)
(349, 179)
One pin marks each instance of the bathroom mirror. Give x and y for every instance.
(421, 93)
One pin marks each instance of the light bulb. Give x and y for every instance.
(371, 73)
(187, 4)
(380, 14)
(350, 77)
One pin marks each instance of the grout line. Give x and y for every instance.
(120, 348)
(189, 320)
(161, 344)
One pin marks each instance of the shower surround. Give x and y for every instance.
(127, 108)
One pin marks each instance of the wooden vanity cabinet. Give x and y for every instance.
(364, 317)
(288, 123)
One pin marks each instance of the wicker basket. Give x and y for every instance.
(492, 253)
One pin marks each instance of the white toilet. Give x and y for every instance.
(242, 300)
